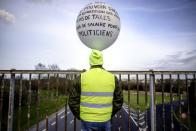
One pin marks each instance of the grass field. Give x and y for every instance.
(47, 100)
(142, 105)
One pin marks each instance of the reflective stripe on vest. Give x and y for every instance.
(95, 105)
(97, 87)
(96, 93)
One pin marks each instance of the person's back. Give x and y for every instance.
(96, 96)
(97, 88)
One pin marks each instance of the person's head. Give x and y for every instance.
(96, 58)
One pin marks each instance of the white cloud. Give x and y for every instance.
(163, 6)
(150, 9)
(40, 1)
(7, 16)
(182, 60)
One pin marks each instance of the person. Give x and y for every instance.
(96, 96)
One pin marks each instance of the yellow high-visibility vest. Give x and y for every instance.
(97, 88)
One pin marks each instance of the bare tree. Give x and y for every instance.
(40, 66)
(53, 67)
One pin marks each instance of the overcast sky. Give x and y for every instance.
(155, 34)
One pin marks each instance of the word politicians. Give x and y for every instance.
(96, 33)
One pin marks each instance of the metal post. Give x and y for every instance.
(120, 113)
(171, 102)
(20, 103)
(163, 102)
(1, 99)
(129, 120)
(152, 112)
(47, 105)
(187, 96)
(11, 102)
(66, 96)
(138, 107)
(38, 103)
(194, 82)
(29, 102)
(57, 101)
(146, 102)
(72, 84)
(179, 98)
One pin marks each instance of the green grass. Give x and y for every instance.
(52, 102)
(142, 105)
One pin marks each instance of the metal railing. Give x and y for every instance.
(156, 97)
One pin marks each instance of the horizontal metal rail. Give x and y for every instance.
(79, 71)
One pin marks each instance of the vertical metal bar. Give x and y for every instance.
(57, 86)
(137, 91)
(187, 96)
(163, 102)
(146, 99)
(152, 111)
(194, 82)
(120, 78)
(179, 98)
(66, 98)
(171, 101)
(194, 75)
(20, 100)
(155, 102)
(48, 87)
(75, 126)
(137, 102)
(29, 102)
(1, 100)
(121, 122)
(129, 115)
(38, 103)
(11, 102)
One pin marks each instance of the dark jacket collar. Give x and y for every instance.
(96, 66)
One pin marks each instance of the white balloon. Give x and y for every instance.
(98, 25)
